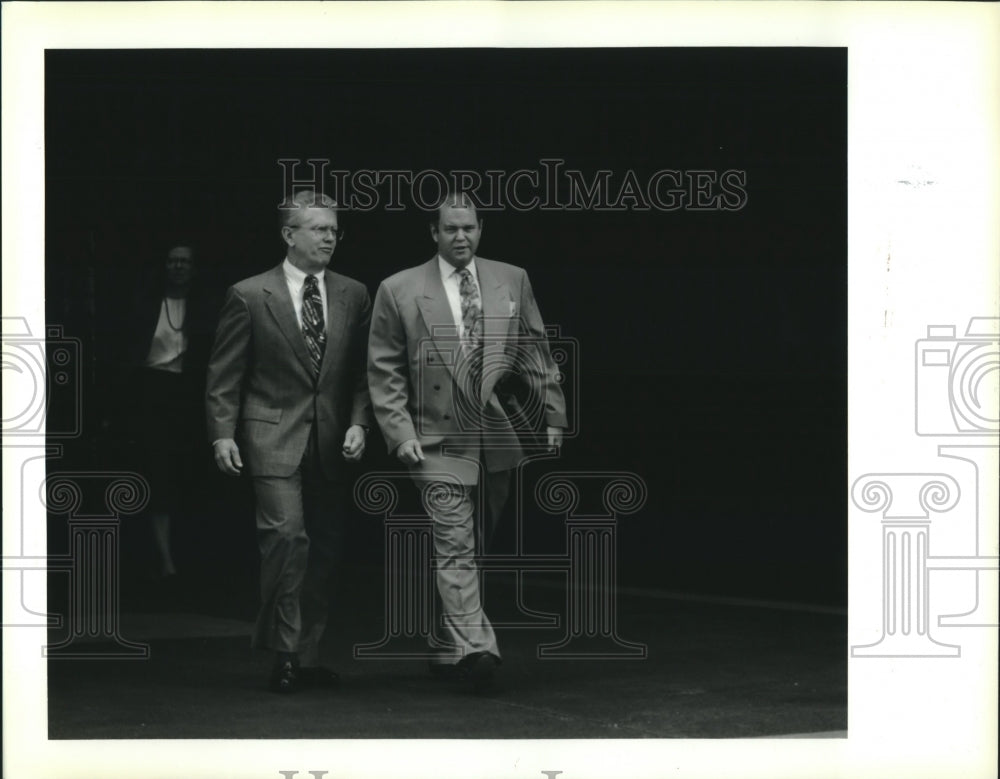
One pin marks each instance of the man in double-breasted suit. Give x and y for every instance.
(448, 339)
(286, 397)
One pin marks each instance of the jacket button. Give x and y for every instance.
(447, 416)
(437, 386)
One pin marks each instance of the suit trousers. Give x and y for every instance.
(459, 527)
(300, 534)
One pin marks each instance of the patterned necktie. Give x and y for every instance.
(472, 324)
(312, 322)
(472, 310)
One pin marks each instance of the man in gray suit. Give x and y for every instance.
(286, 381)
(447, 338)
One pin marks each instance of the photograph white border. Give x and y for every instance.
(923, 242)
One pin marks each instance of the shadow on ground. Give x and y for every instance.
(711, 671)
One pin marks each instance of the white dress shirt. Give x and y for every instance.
(451, 277)
(166, 350)
(296, 280)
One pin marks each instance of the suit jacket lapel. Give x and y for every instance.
(279, 303)
(436, 311)
(336, 318)
(496, 323)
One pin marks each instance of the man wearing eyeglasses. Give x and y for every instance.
(287, 401)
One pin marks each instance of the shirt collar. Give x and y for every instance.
(447, 269)
(296, 275)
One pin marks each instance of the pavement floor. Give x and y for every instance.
(671, 666)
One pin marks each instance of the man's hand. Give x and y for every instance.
(410, 453)
(227, 456)
(354, 443)
(555, 437)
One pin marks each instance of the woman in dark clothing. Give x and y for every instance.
(167, 342)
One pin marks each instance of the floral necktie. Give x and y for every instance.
(312, 322)
(472, 324)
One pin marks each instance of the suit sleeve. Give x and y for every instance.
(361, 404)
(388, 371)
(227, 366)
(544, 368)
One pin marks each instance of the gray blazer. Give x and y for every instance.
(416, 380)
(260, 388)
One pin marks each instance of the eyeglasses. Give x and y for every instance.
(320, 232)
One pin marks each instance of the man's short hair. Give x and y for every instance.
(456, 199)
(179, 243)
(304, 198)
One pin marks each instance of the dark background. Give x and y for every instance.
(712, 343)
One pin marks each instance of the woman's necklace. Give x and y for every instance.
(166, 304)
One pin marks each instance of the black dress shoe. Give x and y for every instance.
(285, 678)
(318, 676)
(480, 670)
